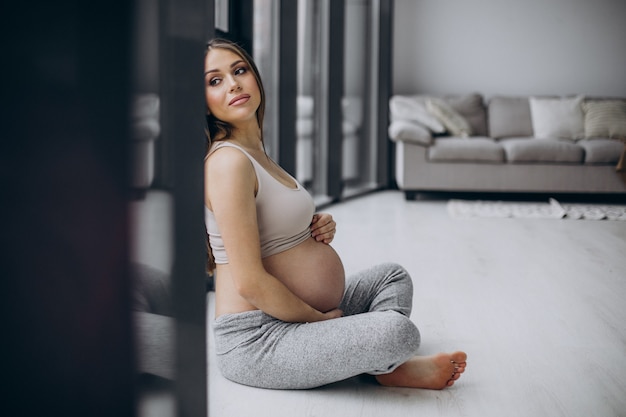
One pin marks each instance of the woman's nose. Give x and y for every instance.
(234, 84)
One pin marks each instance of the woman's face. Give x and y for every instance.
(231, 91)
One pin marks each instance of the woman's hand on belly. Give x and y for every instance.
(323, 228)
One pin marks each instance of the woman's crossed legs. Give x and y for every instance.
(375, 336)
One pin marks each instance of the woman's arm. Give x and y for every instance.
(230, 196)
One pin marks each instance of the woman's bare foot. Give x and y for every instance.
(432, 372)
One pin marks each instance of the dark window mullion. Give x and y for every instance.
(335, 96)
(240, 23)
(384, 155)
(287, 88)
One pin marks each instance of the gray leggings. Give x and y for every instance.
(374, 336)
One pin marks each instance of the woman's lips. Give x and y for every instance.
(240, 99)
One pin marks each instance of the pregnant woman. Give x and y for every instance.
(286, 316)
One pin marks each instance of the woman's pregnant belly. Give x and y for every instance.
(311, 270)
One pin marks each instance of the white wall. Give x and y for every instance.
(510, 47)
(355, 47)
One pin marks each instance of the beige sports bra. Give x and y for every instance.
(284, 214)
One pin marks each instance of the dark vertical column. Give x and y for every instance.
(187, 25)
(164, 172)
(66, 338)
(385, 156)
(241, 20)
(288, 84)
(335, 94)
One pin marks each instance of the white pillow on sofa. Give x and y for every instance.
(414, 109)
(454, 122)
(557, 117)
(605, 118)
(409, 131)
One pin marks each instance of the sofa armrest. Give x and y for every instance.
(409, 131)
(151, 290)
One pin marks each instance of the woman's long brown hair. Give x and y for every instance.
(217, 130)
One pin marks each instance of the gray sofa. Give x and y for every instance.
(154, 324)
(508, 144)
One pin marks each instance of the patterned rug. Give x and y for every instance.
(550, 210)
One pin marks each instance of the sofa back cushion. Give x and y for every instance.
(509, 116)
(472, 108)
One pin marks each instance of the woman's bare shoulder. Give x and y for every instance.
(227, 159)
(229, 176)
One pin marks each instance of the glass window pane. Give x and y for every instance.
(265, 54)
(305, 122)
(359, 119)
(358, 168)
(312, 143)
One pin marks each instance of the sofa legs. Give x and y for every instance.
(412, 195)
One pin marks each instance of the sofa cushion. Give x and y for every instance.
(413, 108)
(605, 118)
(409, 131)
(548, 150)
(509, 117)
(472, 108)
(557, 117)
(476, 149)
(601, 150)
(453, 121)
(154, 338)
(151, 290)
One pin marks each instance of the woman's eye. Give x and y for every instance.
(240, 70)
(214, 81)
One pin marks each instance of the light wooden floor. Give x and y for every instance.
(538, 305)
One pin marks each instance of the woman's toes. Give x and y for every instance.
(459, 357)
